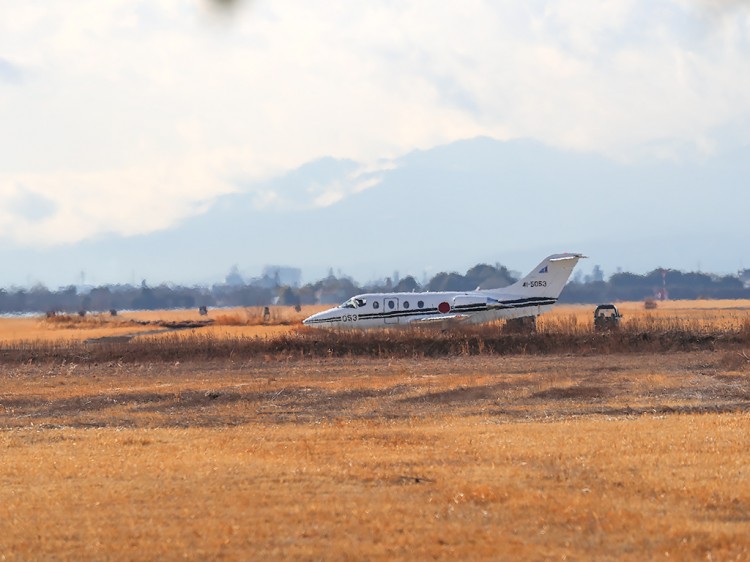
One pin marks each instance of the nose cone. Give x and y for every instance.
(316, 320)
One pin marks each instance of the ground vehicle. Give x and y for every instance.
(607, 317)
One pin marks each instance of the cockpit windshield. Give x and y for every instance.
(354, 302)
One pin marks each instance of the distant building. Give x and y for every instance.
(283, 275)
(234, 278)
(596, 276)
(272, 276)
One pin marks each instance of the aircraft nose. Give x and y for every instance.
(310, 320)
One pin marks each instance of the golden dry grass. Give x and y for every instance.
(236, 322)
(452, 488)
(249, 321)
(618, 457)
(571, 455)
(73, 329)
(700, 314)
(249, 316)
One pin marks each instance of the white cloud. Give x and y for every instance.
(66, 207)
(132, 114)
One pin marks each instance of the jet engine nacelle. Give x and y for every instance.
(462, 301)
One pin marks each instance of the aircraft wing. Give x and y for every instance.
(447, 318)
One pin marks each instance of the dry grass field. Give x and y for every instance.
(249, 322)
(240, 321)
(584, 453)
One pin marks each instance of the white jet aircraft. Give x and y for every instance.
(531, 296)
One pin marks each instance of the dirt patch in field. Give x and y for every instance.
(212, 393)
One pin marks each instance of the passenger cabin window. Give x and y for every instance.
(420, 304)
(391, 305)
(406, 304)
(376, 305)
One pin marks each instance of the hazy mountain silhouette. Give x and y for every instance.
(448, 208)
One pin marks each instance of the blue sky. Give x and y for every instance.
(124, 118)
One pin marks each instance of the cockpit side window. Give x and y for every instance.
(354, 302)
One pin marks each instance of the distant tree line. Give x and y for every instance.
(335, 289)
(659, 283)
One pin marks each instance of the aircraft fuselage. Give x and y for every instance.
(533, 295)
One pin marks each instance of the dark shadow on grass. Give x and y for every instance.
(460, 395)
(579, 392)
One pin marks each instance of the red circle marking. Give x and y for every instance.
(444, 307)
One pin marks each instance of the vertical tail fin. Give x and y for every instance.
(547, 279)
